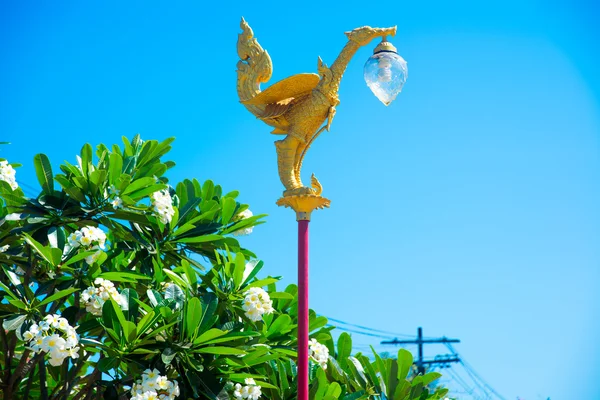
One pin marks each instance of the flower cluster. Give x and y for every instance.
(154, 386)
(163, 206)
(94, 297)
(243, 215)
(90, 238)
(54, 336)
(7, 174)
(318, 352)
(250, 391)
(256, 303)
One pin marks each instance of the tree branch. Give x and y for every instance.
(43, 388)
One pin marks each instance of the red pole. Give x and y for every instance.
(303, 309)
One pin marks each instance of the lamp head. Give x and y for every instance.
(385, 72)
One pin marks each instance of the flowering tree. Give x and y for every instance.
(115, 284)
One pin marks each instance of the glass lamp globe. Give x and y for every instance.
(385, 72)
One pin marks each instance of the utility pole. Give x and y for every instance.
(420, 342)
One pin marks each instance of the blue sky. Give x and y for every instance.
(469, 207)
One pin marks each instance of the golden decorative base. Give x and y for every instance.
(304, 204)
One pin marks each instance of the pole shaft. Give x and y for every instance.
(303, 310)
(420, 367)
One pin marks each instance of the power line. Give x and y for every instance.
(474, 375)
(457, 378)
(391, 334)
(359, 332)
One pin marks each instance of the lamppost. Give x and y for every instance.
(301, 107)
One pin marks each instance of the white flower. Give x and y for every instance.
(243, 215)
(251, 391)
(117, 203)
(53, 342)
(154, 386)
(57, 358)
(85, 240)
(163, 206)
(254, 392)
(73, 239)
(89, 237)
(256, 303)
(52, 320)
(7, 174)
(4, 248)
(44, 326)
(94, 297)
(93, 258)
(36, 343)
(63, 324)
(31, 333)
(319, 353)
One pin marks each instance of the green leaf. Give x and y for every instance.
(14, 323)
(113, 317)
(44, 252)
(220, 350)
(316, 323)
(122, 276)
(255, 266)
(8, 291)
(56, 237)
(168, 355)
(115, 162)
(262, 282)
(201, 239)
(174, 292)
(391, 379)
(56, 296)
(334, 390)
(357, 371)
(176, 278)
(209, 335)
(145, 322)
(193, 316)
(154, 297)
(416, 390)
(279, 326)
(107, 364)
(281, 295)
(146, 191)
(230, 337)
(207, 191)
(344, 347)
(228, 208)
(139, 184)
(18, 303)
(86, 158)
(43, 170)
(429, 377)
(209, 306)
(266, 385)
(405, 362)
(238, 271)
(78, 257)
(190, 273)
(132, 310)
